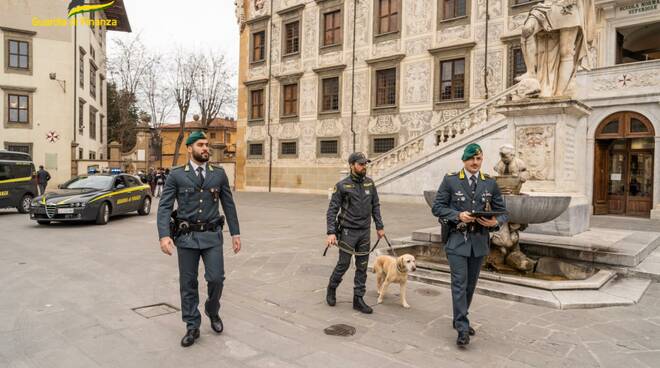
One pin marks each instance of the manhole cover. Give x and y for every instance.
(340, 330)
(155, 310)
(427, 292)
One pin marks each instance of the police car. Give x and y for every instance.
(92, 198)
(18, 181)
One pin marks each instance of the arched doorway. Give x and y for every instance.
(623, 174)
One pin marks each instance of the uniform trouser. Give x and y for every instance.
(359, 241)
(214, 273)
(42, 189)
(464, 277)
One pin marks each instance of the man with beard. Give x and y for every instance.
(354, 202)
(196, 230)
(460, 195)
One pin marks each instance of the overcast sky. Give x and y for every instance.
(190, 24)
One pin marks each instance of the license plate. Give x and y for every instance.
(65, 210)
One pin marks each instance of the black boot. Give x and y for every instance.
(190, 337)
(359, 304)
(463, 338)
(331, 296)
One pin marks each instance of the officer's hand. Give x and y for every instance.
(487, 222)
(236, 243)
(466, 217)
(166, 245)
(381, 233)
(331, 240)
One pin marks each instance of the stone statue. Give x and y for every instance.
(511, 165)
(511, 171)
(505, 249)
(556, 39)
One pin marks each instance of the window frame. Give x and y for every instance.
(372, 142)
(81, 115)
(251, 86)
(390, 34)
(287, 80)
(327, 7)
(295, 87)
(335, 71)
(379, 64)
(257, 25)
(441, 54)
(29, 145)
(93, 69)
(81, 67)
(444, 22)
(93, 112)
(263, 150)
(452, 80)
(281, 155)
(319, 154)
(285, 40)
(18, 35)
(21, 92)
(515, 8)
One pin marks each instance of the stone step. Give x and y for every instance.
(619, 291)
(597, 245)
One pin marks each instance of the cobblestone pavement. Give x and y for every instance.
(67, 294)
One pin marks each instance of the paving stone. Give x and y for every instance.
(78, 304)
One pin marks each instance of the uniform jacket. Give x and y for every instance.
(354, 202)
(197, 204)
(455, 196)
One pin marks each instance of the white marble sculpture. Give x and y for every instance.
(556, 39)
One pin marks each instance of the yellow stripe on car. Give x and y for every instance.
(122, 191)
(27, 178)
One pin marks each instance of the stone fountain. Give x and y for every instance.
(522, 209)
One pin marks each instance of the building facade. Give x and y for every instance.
(221, 134)
(53, 82)
(404, 80)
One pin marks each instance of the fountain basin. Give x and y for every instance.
(557, 274)
(525, 209)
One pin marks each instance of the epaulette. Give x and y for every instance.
(487, 176)
(213, 166)
(176, 167)
(453, 173)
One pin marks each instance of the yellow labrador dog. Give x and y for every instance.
(390, 270)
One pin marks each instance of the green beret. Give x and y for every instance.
(470, 151)
(195, 136)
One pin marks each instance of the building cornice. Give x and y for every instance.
(255, 82)
(452, 47)
(330, 68)
(290, 9)
(262, 18)
(16, 30)
(386, 59)
(5, 87)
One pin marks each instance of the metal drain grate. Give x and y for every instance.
(427, 292)
(155, 310)
(340, 330)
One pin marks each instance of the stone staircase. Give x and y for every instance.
(435, 142)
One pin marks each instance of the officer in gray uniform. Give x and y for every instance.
(354, 202)
(196, 230)
(468, 236)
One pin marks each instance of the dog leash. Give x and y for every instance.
(346, 248)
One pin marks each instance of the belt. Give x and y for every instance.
(200, 228)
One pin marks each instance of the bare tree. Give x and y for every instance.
(128, 63)
(213, 90)
(182, 86)
(156, 98)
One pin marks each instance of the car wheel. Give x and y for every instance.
(145, 207)
(43, 222)
(26, 203)
(103, 216)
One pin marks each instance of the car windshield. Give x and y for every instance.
(89, 182)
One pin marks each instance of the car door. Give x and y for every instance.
(135, 195)
(5, 184)
(121, 195)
